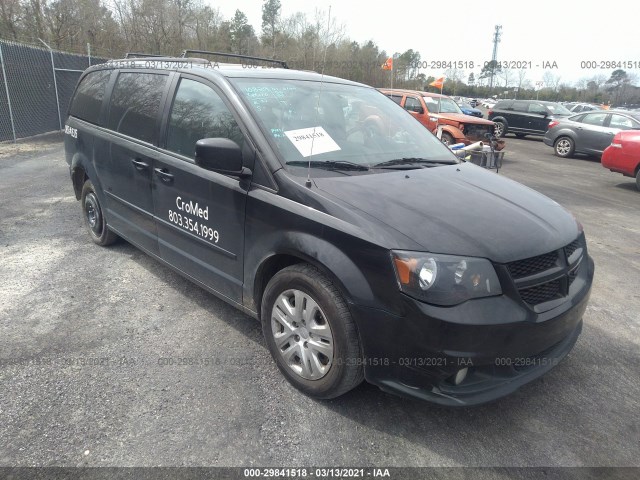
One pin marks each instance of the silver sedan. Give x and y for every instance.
(589, 132)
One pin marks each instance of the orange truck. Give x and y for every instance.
(433, 110)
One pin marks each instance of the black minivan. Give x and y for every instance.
(324, 210)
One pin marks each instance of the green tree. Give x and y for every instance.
(270, 22)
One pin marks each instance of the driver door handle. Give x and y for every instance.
(139, 164)
(164, 175)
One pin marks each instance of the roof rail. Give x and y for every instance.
(160, 59)
(282, 63)
(136, 55)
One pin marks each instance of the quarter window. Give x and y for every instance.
(199, 112)
(87, 102)
(135, 103)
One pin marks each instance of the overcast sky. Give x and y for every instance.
(540, 31)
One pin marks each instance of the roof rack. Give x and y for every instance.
(282, 63)
(137, 55)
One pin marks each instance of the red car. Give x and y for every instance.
(623, 155)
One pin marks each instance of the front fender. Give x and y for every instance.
(316, 251)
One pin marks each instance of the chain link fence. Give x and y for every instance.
(36, 84)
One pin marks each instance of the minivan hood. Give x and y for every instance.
(459, 209)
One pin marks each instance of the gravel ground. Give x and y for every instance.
(83, 330)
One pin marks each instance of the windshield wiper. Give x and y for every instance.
(410, 161)
(330, 165)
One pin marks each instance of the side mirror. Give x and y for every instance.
(221, 155)
(416, 109)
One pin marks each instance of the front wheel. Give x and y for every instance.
(310, 332)
(500, 129)
(94, 217)
(564, 147)
(447, 138)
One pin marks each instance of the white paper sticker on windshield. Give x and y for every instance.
(312, 141)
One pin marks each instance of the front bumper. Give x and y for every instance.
(501, 342)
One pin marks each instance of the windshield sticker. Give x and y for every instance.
(312, 141)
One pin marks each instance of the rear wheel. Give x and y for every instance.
(94, 217)
(500, 129)
(564, 147)
(310, 333)
(638, 179)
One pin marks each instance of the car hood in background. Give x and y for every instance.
(459, 209)
(460, 118)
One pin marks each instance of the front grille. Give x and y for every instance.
(542, 293)
(554, 273)
(533, 265)
(573, 246)
(473, 132)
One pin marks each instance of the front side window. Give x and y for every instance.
(87, 102)
(198, 112)
(621, 122)
(135, 104)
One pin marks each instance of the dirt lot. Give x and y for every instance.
(82, 330)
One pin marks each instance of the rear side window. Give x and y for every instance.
(520, 106)
(413, 105)
(395, 98)
(87, 102)
(595, 119)
(135, 103)
(503, 106)
(199, 112)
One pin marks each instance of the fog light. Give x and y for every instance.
(460, 376)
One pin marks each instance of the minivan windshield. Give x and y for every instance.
(338, 124)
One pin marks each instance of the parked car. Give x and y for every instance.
(525, 117)
(474, 102)
(623, 155)
(363, 245)
(433, 110)
(488, 103)
(583, 107)
(467, 109)
(588, 133)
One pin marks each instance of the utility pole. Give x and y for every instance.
(494, 57)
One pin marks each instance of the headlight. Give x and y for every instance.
(444, 279)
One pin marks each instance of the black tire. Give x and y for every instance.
(94, 218)
(447, 138)
(638, 179)
(345, 370)
(564, 147)
(500, 129)
(521, 135)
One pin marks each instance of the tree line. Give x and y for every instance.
(317, 42)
